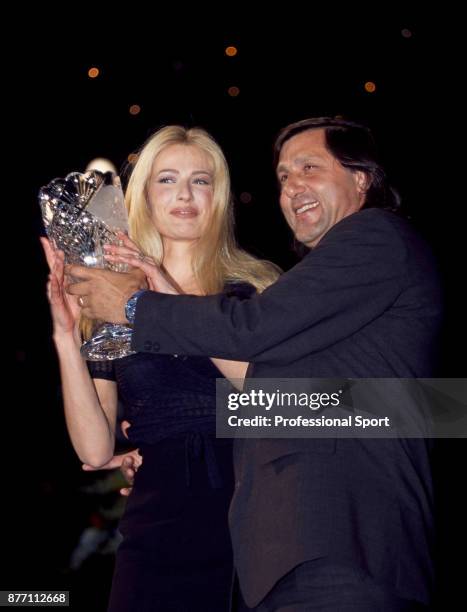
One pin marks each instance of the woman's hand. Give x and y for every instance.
(64, 308)
(130, 254)
(128, 463)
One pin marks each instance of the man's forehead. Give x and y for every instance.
(304, 146)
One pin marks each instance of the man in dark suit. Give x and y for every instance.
(319, 524)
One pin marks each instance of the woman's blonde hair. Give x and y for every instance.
(216, 258)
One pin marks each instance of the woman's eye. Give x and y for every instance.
(282, 178)
(201, 181)
(166, 179)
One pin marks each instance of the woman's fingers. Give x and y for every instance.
(56, 262)
(125, 425)
(133, 259)
(53, 289)
(48, 252)
(52, 254)
(59, 266)
(127, 241)
(113, 249)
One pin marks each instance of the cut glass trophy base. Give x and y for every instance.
(110, 341)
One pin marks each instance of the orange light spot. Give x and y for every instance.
(370, 87)
(135, 109)
(231, 51)
(93, 72)
(233, 91)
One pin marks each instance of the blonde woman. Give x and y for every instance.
(176, 552)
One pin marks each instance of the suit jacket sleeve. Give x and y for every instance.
(354, 275)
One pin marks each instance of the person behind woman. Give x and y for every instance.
(176, 552)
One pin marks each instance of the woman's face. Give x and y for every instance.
(180, 192)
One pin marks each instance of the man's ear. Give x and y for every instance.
(362, 181)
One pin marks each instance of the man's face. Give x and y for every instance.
(316, 190)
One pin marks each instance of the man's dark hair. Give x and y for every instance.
(352, 144)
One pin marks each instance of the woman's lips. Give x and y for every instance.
(185, 212)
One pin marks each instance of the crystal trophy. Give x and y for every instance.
(81, 213)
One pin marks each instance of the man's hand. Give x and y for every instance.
(103, 294)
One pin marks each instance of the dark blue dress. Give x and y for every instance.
(176, 553)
